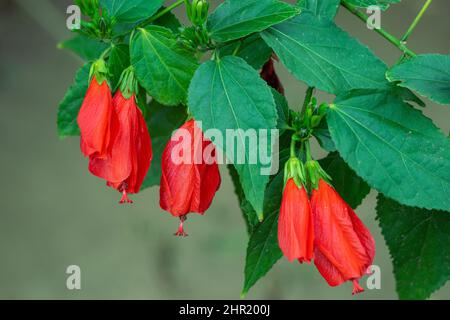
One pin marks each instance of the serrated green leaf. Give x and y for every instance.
(119, 60)
(252, 49)
(169, 21)
(282, 111)
(323, 136)
(345, 181)
(229, 94)
(324, 9)
(235, 19)
(71, 104)
(393, 147)
(428, 74)
(263, 250)
(383, 4)
(86, 48)
(408, 96)
(162, 66)
(130, 11)
(418, 243)
(161, 122)
(249, 214)
(324, 56)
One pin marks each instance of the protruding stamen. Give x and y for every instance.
(125, 198)
(356, 287)
(181, 232)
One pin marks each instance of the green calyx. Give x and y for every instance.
(314, 173)
(99, 70)
(128, 84)
(294, 169)
(197, 11)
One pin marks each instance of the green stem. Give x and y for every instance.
(308, 96)
(293, 144)
(238, 47)
(416, 21)
(389, 37)
(308, 151)
(105, 53)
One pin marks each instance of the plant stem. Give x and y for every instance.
(238, 47)
(308, 151)
(105, 53)
(308, 96)
(389, 37)
(293, 144)
(416, 21)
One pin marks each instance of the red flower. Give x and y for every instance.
(269, 74)
(344, 247)
(188, 181)
(295, 225)
(94, 119)
(131, 152)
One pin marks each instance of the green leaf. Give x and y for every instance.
(249, 214)
(163, 67)
(383, 4)
(86, 48)
(124, 11)
(325, 9)
(427, 74)
(229, 94)
(71, 104)
(418, 243)
(282, 111)
(263, 250)
(235, 19)
(323, 136)
(161, 122)
(408, 95)
(169, 21)
(324, 56)
(393, 147)
(119, 60)
(252, 49)
(352, 188)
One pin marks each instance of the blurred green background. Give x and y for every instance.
(54, 213)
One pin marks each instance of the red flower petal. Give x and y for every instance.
(129, 160)
(295, 225)
(344, 247)
(189, 183)
(94, 119)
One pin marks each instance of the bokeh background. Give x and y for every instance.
(53, 213)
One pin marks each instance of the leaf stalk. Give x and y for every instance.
(416, 21)
(389, 37)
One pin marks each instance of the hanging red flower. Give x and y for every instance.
(190, 174)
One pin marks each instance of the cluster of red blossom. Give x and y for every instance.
(323, 228)
(115, 137)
